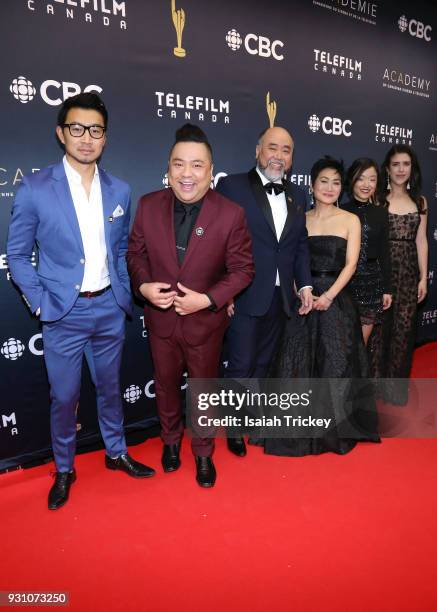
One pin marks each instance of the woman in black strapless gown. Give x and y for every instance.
(327, 343)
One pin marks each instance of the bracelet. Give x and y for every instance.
(327, 297)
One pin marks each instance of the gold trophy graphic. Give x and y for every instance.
(179, 23)
(271, 110)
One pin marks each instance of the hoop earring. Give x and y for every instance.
(388, 183)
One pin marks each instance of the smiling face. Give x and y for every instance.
(365, 185)
(82, 150)
(190, 171)
(274, 153)
(399, 169)
(327, 186)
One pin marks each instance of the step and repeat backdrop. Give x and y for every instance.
(347, 77)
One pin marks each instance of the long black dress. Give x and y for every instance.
(327, 344)
(391, 344)
(373, 274)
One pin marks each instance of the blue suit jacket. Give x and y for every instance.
(289, 255)
(44, 213)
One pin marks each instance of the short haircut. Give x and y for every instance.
(86, 100)
(191, 133)
(323, 164)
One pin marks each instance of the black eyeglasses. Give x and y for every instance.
(77, 130)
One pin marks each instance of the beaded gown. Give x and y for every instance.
(391, 345)
(327, 345)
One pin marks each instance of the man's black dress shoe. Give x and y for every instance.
(125, 463)
(206, 473)
(237, 446)
(170, 457)
(58, 494)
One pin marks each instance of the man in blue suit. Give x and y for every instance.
(78, 216)
(275, 212)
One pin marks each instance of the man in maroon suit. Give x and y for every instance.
(189, 254)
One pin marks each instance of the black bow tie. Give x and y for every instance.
(274, 187)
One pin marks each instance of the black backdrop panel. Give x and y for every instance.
(348, 78)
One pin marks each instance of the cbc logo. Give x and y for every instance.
(330, 125)
(22, 89)
(415, 28)
(13, 348)
(52, 92)
(255, 45)
(132, 394)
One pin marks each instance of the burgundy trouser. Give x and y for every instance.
(171, 357)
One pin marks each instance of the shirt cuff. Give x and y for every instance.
(213, 305)
(304, 287)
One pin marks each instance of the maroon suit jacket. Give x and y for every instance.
(218, 260)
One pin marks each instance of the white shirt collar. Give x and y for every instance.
(73, 175)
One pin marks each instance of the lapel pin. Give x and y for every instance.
(289, 199)
(111, 219)
(199, 231)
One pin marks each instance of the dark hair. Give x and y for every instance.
(415, 190)
(356, 169)
(191, 133)
(87, 100)
(327, 162)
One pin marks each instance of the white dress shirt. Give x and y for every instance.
(278, 205)
(89, 213)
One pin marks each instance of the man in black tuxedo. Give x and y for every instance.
(275, 212)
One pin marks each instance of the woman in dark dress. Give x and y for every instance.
(371, 283)
(392, 344)
(327, 343)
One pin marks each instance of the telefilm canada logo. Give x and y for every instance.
(170, 105)
(361, 10)
(52, 92)
(405, 82)
(255, 44)
(337, 65)
(415, 28)
(109, 13)
(429, 317)
(393, 134)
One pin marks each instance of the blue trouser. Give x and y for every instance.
(97, 324)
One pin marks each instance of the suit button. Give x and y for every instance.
(82, 261)
(279, 250)
(77, 287)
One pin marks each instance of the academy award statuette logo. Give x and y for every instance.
(179, 23)
(271, 110)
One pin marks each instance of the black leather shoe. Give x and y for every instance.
(237, 446)
(125, 463)
(206, 473)
(58, 494)
(170, 457)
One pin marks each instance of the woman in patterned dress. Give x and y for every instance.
(392, 343)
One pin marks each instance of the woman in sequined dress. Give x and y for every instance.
(371, 283)
(392, 343)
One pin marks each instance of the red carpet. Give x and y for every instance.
(353, 533)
